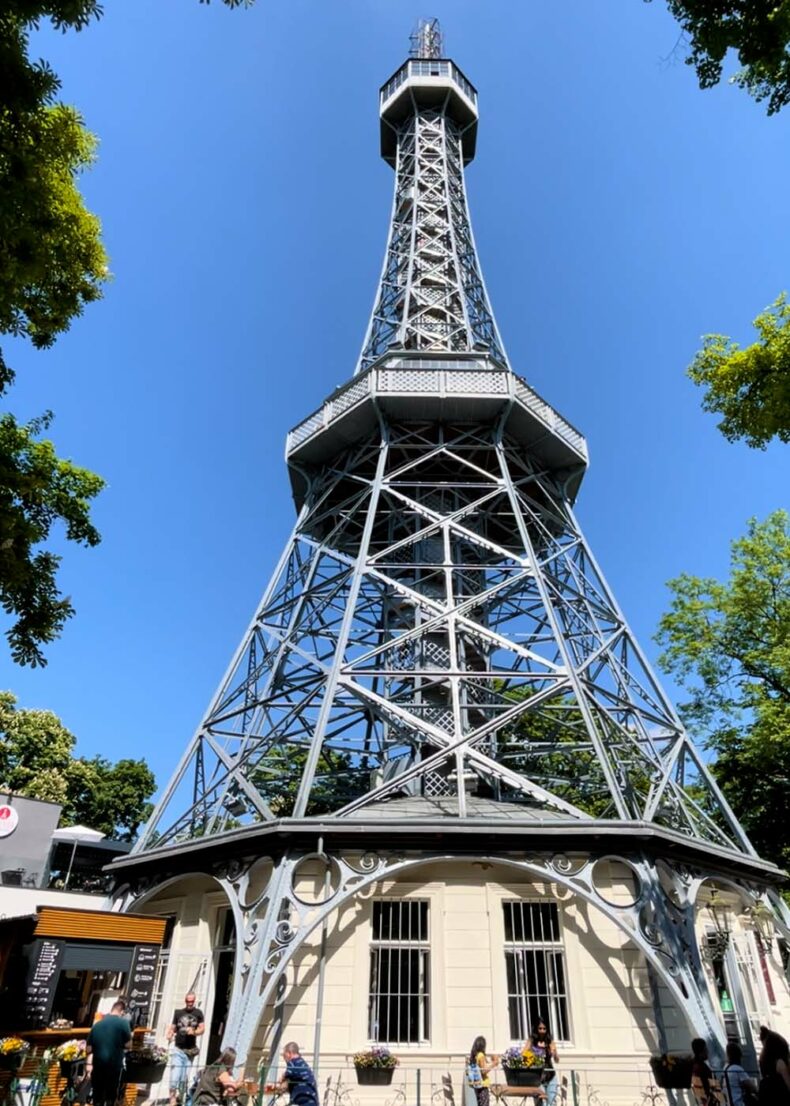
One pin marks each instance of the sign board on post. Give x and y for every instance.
(142, 976)
(46, 959)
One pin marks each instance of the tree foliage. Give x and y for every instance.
(52, 263)
(728, 644)
(758, 31)
(749, 387)
(37, 760)
(551, 747)
(37, 489)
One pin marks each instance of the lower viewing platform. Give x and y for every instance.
(453, 388)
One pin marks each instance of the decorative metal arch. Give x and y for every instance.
(274, 924)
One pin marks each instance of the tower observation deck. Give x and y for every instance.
(437, 667)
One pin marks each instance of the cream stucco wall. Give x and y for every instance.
(612, 1009)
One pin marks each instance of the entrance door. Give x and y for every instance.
(224, 958)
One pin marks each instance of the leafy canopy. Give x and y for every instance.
(728, 644)
(52, 263)
(749, 387)
(37, 760)
(37, 489)
(758, 31)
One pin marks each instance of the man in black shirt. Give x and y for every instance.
(186, 1025)
(107, 1043)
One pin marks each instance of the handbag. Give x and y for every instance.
(474, 1076)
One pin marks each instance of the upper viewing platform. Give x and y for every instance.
(427, 80)
(427, 83)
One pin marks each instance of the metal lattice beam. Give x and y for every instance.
(431, 295)
(438, 624)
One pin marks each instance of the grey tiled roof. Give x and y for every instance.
(425, 809)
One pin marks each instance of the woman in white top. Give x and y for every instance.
(736, 1081)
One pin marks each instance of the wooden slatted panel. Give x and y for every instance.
(56, 1084)
(99, 925)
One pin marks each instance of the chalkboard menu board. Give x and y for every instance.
(46, 959)
(140, 987)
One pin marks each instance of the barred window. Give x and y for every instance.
(399, 1008)
(535, 967)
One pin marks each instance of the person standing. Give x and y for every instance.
(738, 1085)
(703, 1086)
(774, 1069)
(298, 1079)
(106, 1047)
(542, 1044)
(478, 1059)
(186, 1026)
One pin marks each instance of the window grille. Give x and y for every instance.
(399, 1008)
(535, 968)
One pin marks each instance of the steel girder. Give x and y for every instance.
(431, 294)
(437, 626)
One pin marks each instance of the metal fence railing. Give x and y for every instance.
(626, 1084)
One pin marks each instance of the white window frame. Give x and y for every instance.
(550, 1004)
(378, 987)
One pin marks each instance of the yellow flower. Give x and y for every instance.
(13, 1044)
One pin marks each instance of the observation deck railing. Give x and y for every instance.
(428, 67)
(423, 375)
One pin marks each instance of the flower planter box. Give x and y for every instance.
(70, 1068)
(675, 1076)
(11, 1061)
(523, 1077)
(144, 1071)
(374, 1077)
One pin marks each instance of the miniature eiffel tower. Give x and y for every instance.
(437, 662)
(437, 626)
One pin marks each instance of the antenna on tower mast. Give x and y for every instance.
(427, 40)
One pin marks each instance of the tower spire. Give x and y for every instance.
(427, 40)
(431, 295)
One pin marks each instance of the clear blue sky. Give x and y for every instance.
(619, 212)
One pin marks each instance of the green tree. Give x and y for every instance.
(749, 387)
(37, 489)
(551, 746)
(52, 263)
(37, 760)
(758, 31)
(728, 644)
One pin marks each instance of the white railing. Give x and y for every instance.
(421, 68)
(422, 376)
(627, 1083)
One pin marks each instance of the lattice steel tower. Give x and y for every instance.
(437, 643)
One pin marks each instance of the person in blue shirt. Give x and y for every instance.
(298, 1079)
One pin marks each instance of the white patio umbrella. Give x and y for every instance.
(76, 834)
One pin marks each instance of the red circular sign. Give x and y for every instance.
(9, 820)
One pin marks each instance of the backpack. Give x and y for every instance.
(474, 1076)
(749, 1097)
